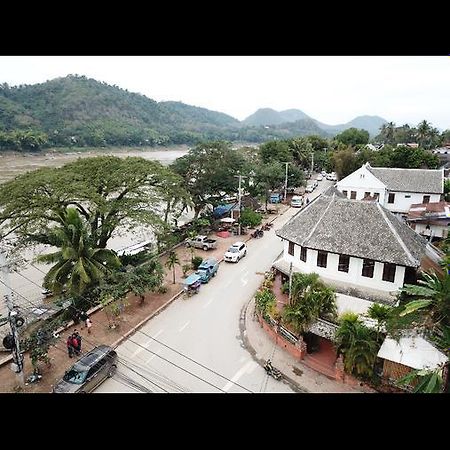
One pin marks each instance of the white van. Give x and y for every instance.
(296, 201)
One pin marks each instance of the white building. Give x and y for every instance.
(430, 219)
(353, 245)
(395, 189)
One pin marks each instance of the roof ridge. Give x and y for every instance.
(399, 239)
(320, 218)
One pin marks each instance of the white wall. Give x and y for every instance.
(404, 200)
(437, 230)
(362, 181)
(352, 276)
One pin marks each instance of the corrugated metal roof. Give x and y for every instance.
(412, 351)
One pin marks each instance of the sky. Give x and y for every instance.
(331, 89)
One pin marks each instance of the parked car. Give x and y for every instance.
(319, 178)
(296, 201)
(207, 269)
(89, 371)
(275, 197)
(237, 251)
(201, 242)
(309, 188)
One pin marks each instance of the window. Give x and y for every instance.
(322, 259)
(353, 195)
(368, 266)
(407, 196)
(345, 193)
(376, 195)
(344, 263)
(291, 248)
(389, 272)
(391, 198)
(366, 194)
(303, 251)
(426, 199)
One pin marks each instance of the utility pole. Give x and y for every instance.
(285, 181)
(239, 199)
(12, 316)
(290, 283)
(312, 162)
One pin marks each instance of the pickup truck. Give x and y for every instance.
(201, 242)
(207, 269)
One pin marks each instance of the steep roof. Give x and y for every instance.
(355, 228)
(410, 180)
(437, 210)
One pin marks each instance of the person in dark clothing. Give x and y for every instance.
(76, 342)
(83, 317)
(69, 343)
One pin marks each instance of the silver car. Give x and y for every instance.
(89, 371)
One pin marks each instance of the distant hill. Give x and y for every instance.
(267, 117)
(80, 111)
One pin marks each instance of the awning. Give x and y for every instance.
(413, 351)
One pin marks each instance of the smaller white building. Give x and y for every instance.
(430, 219)
(395, 189)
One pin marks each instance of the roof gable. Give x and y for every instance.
(361, 177)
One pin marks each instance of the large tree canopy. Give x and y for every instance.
(209, 171)
(109, 192)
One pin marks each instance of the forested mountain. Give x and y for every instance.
(267, 117)
(78, 111)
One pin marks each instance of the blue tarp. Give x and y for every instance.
(220, 210)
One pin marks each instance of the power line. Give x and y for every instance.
(174, 350)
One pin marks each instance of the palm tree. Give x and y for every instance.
(358, 344)
(171, 262)
(77, 264)
(425, 381)
(432, 295)
(380, 313)
(310, 299)
(423, 130)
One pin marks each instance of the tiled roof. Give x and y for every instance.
(355, 228)
(410, 180)
(429, 210)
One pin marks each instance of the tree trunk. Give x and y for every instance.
(174, 274)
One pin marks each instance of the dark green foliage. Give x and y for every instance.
(250, 218)
(353, 137)
(196, 261)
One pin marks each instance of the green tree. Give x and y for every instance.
(172, 262)
(424, 381)
(345, 162)
(108, 192)
(250, 218)
(275, 151)
(310, 299)
(209, 171)
(77, 264)
(353, 137)
(432, 297)
(358, 344)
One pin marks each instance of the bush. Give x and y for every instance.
(162, 289)
(250, 218)
(196, 261)
(185, 268)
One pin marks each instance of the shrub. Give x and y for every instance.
(196, 261)
(162, 289)
(250, 218)
(185, 268)
(265, 301)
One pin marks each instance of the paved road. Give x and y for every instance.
(204, 327)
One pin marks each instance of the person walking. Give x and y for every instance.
(88, 324)
(83, 317)
(76, 342)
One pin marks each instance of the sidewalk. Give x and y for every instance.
(301, 377)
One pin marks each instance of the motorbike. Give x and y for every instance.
(267, 226)
(272, 371)
(257, 234)
(192, 284)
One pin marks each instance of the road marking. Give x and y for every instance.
(184, 326)
(151, 357)
(206, 304)
(250, 365)
(146, 345)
